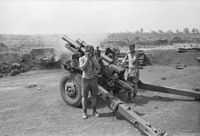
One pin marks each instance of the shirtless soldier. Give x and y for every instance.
(132, 72)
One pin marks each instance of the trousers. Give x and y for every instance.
(89, 85)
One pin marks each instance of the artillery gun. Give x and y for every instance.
(110, 80)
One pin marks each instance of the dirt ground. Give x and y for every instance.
(30, 105)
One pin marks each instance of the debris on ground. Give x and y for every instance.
(163, 78)
(14, 64)
(182, 50)
(11, 69)
(156, 107)
(196, 89)
(198, 59)
(180, 66)
(45, 58)
(16, 68)
(38, 88)
(31, 85)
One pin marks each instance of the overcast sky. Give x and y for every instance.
(87, 16)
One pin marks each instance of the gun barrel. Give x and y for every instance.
(79, 46)
(72, 45)
(70, 41)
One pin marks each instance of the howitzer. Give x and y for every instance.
(78, 46)
(110, 82)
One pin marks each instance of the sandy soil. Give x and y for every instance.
(40, 111)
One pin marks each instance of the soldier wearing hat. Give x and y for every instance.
(90, 69)
(132, 71)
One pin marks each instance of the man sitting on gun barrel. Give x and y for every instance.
(90, 69)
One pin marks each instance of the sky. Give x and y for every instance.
(96, 16)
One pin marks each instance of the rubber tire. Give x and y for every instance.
(76, 102)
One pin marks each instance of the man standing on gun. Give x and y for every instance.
(90, 69)
(132, 71)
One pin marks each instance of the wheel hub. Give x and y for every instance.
(70, 89)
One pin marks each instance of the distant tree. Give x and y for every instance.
(141, 30)
(186, 30)
(153, 32)
(137, 38)
(170, 32)
(160, 31)
(195, 31)
(177, 31)
(137, 32)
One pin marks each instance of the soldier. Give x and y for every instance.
(98, 52)
(132, 71)
(90, 69)
(109, 53)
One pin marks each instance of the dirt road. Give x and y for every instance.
(30, 105)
